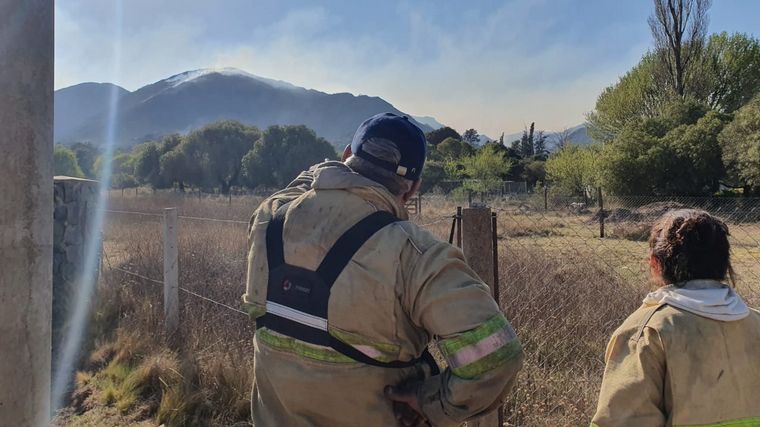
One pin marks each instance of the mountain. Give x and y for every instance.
(189, 100)
(430, 121)
(577, 135)
(76, 105)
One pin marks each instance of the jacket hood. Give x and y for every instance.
(706, 298)
(337, 176)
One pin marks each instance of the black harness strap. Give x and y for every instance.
(349, 243)
(315, 302)
(275, 250)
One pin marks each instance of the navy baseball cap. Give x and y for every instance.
(401, 132)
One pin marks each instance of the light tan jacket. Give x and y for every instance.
(667, 366)
(401, 290)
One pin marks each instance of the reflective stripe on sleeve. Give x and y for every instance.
(296, 316)
(482, 349)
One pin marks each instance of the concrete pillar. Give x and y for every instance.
(26, 210)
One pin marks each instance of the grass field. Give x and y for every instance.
(563, 288)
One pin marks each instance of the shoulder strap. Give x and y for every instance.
(275, 251)
(329, 270)
(349, 243)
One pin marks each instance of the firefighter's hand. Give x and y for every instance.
(405, 406)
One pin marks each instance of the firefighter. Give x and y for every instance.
(690, 355)
(347, 294)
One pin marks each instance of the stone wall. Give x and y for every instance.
(74, 210)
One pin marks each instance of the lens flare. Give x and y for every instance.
(72, 342)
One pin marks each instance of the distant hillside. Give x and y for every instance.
(192, 99)
(76, 105)
(577, 135)
(430, 121)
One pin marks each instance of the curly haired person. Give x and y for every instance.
(690, 355)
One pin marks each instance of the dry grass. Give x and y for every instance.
(564, 289)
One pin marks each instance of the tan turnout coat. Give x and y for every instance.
(401, 290)
(669, 367)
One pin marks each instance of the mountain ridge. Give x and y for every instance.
(189, 100)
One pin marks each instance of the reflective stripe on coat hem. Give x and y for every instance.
(300, 348)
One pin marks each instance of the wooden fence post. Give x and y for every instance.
(479, 251)
(459, 226)
(601, 212)
(546, 198)
(171, 274)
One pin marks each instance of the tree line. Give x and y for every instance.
(227, 153)
(455, 157)
(684, 121)
(217, 156)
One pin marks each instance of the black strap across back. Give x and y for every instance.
(297, 298)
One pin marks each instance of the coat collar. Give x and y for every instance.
(338, 176)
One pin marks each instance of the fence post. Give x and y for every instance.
(171, 273)
(480, 253)
(601, 211)
(495, 239)
(459, 226)
(546, 198)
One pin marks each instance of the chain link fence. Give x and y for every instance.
(564, 288)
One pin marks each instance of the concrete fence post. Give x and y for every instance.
(479, 251)
(171, 273)
(26, 212)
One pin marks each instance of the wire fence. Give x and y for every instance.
(564, 288)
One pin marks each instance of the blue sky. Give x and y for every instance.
(492, 65)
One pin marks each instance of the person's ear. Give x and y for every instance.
(415, 188)
(346, 153)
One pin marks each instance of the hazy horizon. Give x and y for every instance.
(485, 65)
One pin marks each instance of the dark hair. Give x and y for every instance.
(690, 244)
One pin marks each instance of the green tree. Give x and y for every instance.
(679, 28)
(217, 150)
(282, 153)
(86, 154)
(573, 169)
(730, 75)
(433, 174)
(740, 141)
(174, 169)
(636, 96)
(485, 168)
(65, 162)
(676, 154)
(526, 142)
(472, 137)
(534, 172)
(725, 78)
(452, 148)
(437, 136)
(122, 170)
(147, 164)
